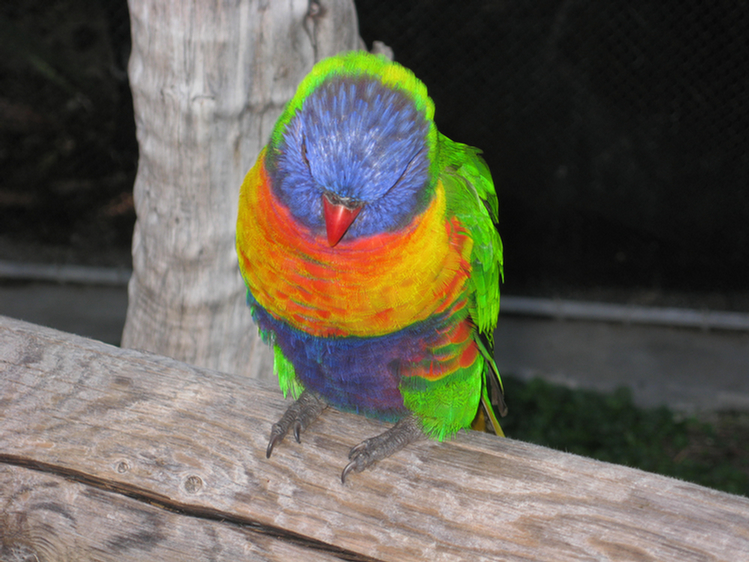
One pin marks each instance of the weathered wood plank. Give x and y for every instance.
(161, 432)
(53, 518)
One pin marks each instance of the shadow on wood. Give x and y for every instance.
(113, 454)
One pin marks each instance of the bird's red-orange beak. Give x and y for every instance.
(338, 217)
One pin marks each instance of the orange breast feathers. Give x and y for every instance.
(364, 287)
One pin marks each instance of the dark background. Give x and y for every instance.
(617, 133)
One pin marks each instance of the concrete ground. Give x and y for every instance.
(688, 369)
(91, 311)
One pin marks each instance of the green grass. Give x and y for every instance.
(712, 452)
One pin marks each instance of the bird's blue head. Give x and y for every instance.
(355, 151)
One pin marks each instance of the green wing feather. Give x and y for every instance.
(471, 198)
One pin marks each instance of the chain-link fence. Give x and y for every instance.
(68, 153)
(618, 132)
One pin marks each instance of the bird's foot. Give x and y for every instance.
(377, 448)
(299, 416)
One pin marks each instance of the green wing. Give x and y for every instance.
(471, 198)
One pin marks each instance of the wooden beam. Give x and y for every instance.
(50, 517)
(116, 454)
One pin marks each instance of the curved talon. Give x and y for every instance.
(353, 465)
(275, 437)
(357, 449)
(376, 448)
(360, 459)
(297, 417)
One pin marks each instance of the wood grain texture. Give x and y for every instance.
(209, 80)
(54, 518)
(189, 442)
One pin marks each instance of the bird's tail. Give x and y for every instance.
(492, 391)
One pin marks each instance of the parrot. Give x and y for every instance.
(368, 244)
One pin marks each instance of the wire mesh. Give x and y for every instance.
(68, 152)
(617, 132)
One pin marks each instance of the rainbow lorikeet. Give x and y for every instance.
(367, 242)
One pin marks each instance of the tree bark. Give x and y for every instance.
(209, 81)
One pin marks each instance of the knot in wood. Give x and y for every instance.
(315, 9)
(193, 484)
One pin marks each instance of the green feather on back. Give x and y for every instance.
(473, 200)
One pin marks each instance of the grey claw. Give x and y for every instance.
(376, 448)
(348, 468)
(298, 416)
(274, 438)
(355, 451)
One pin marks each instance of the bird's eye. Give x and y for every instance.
(304, 152)
(406, 170)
